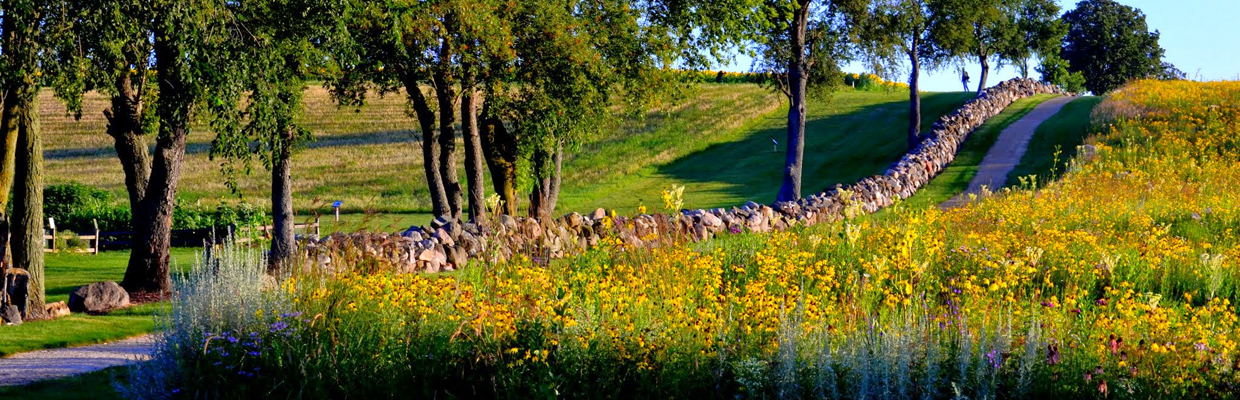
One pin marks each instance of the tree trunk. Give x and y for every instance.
(981, 82)
(283, 245)
(446, 97)
(430, 147)
(473, 146)
(500, 148)
(8, 153)
(10, 116)
(547, 188)
(914, 98)
(125, 127)
(28, 205)
(798, 77)
(149, 260)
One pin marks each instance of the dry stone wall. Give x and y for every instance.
(446, 245)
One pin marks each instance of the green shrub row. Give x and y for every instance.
(75, 205)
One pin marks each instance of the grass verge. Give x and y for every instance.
(1056, 141)
(89, 386)
(66, 272)
(956, 177)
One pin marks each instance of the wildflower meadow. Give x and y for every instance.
(1114, 278)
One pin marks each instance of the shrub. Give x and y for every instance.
(75, 207)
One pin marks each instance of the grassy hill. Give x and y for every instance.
(716, 142)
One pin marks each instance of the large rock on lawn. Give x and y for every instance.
(10, 315)
(98, 297)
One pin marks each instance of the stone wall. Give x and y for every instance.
(446, 245)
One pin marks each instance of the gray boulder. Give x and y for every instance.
(10, 315)
(99, 297)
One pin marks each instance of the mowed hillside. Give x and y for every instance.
(717, 142)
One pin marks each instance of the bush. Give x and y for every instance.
(76, 207)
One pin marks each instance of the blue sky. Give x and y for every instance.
(1202, 38)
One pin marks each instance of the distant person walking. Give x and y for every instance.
(964, 79)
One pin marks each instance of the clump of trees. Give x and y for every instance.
(1110, 44)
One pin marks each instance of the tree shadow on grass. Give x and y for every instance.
(842, 148)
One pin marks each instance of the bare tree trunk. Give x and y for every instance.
(798, 77)
(28, 205)
(500, 147)
(283, 245)
(125, 127)
(473, 146)
(149, 260)
(430, 147)
(981, 82)
(9, 130)
(446, 97)
(914, 97)
(547, 190)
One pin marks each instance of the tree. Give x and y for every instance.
(1054, 70)
(534, 78)
(1038, 32)
(117, 47)
(1110, 44)
(414, 46)
(568, 65)
(805, 44)
(104, 46)
(979, 29)
(272, 57)
(903, 30)
(21, 32)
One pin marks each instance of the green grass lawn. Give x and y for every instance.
(370, 159)
(956, 177)
(850, 136)
(89, 386)
(66, 272)
(1063, 133)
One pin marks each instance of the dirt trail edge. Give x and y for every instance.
(1008, 149)
(32, 366)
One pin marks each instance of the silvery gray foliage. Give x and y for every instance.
(220, 295)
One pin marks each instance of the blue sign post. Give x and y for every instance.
(336, 208)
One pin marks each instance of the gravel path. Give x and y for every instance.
(1008, 149)
(23, 368)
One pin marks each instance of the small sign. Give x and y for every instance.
(336, 204)
(51, 223)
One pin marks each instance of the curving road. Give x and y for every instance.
(28, 367)
(1008, 149)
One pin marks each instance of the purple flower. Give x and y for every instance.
(293, 314)
(278, 326)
